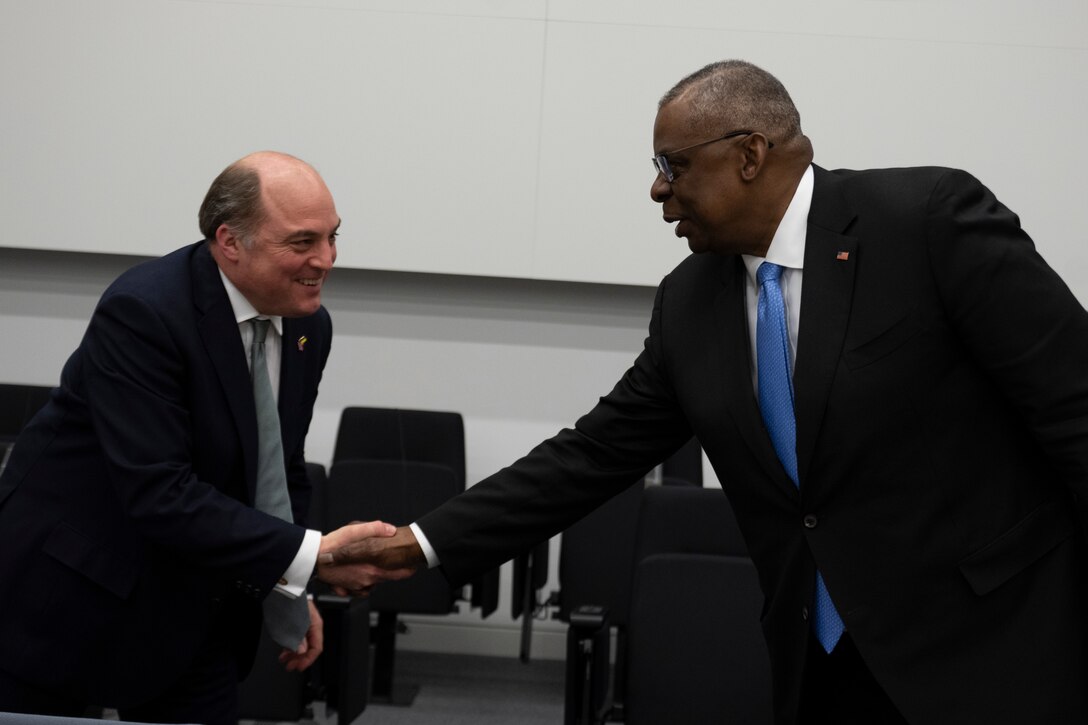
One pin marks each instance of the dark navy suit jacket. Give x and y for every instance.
(126, 519)
(942, 434)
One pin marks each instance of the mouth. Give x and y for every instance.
(678, 220)
(311, 282)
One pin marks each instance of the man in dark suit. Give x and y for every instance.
(924, 515)
(133, 560)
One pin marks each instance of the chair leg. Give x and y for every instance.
(345, 664)
(383, 689)
(619, 678)
(528, 605)
(588, 645)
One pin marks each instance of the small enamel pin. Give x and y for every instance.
(842, 256)
(302, 343)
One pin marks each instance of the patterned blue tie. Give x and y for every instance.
(776, 405)
(287, 619)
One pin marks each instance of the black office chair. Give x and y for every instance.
(18, 404)
(596, 564)
(596, 558)
(398, 493)
(695, 648)
(424, 436)
(340, 676)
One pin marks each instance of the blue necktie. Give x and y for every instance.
(287, 619)
(776, 405)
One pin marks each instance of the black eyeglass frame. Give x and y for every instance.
(661, 161)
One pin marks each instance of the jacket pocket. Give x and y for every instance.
(92, 559)
(1019, 547)
(883, 344)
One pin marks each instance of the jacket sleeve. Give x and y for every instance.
(630, 430)
(1017, 318)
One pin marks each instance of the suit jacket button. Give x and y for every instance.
(804, 614)
(810, 521)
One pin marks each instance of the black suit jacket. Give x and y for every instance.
(942, 434)
(126, 519)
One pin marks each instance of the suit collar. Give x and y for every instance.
(831, 257)
(218, 331)
(830, 261)
(736, 363)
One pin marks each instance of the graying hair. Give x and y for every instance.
(739, 94)
(234, 199)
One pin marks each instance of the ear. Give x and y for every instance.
(227, 242)
(754, 148)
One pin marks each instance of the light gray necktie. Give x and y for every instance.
(287, 619)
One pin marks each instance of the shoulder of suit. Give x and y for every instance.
(891, 175)
(166, 278)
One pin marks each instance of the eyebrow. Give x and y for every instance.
(302, 234)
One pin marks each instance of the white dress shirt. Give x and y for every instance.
(787, 250)
(294, 580)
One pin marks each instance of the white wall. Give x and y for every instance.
(511, 139)
(491, 163)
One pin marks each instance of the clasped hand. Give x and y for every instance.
(355, 557)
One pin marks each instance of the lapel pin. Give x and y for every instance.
(842, 256)
(302, 343)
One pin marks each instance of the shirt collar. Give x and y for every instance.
(788, 245)
(243, 309)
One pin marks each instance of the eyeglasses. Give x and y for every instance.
(661, 161)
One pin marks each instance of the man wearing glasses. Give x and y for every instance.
(891, 386)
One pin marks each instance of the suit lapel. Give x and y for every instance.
(740, 399)
(219, 332)
(292, 378)
(831, 258)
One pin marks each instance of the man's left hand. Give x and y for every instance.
(310, 647)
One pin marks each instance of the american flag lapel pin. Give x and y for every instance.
(302, 343)
(842, 256)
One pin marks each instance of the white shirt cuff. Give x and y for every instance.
(428, 550)
(294, 580)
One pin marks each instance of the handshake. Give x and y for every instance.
(355, 557)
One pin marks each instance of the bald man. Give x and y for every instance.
(133, 558)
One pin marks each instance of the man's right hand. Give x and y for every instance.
(355, 557)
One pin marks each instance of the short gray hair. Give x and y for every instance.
(741, 93)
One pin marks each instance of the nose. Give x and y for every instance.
(324, 255)
(661, 189)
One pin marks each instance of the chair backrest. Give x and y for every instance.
(696, 653)
(319, 481)
(394, 434)
(425, 436)
(397, 493)
(596, 557)
(683, 519)
(18, 404)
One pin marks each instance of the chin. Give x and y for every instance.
(307, 310)
(698, 246)
(301, 309)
